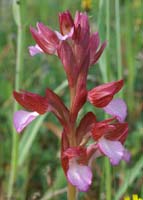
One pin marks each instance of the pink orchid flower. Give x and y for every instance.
(32, 102)
(85, 140)
(110, 138)
(75, 165)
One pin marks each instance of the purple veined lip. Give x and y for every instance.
(23, 118)
(117, 108)
(79, 175)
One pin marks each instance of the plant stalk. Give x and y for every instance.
(130, 61)
(118, 43)
(19, 62)
(107, 179)
(72, 192)
(118, 38)
(107, 164)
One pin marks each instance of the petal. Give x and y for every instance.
(32, 101)
(114, 150)
(94, 42)
(98, 53)
(119, 133)
(103, 128)
(101, 95)
(33, 50)
(70, 153)
(66, 22)
(67, 57)
(56, 105)
(65, 37)
(22, 119)
(84, 129)
(60, 36)
(81, 23)
(117, 108)
(95, 51)
(45, 38)
(79, 176)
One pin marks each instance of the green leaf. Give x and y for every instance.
(16, 12)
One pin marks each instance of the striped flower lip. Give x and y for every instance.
(23, 118)
(114, 150)
(117, 108)
(79, 175)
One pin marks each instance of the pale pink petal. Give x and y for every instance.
(114, 150)
(64, 37)
(22, 118)
(33, 50)
(79, 175)
(60, 36)
(117, 108)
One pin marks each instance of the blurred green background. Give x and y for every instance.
(38, 172)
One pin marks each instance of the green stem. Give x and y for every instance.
(72, 192)
(108, 70)
(107, 178)
(103, 62)
(108, 21)
(19, 61)
(118, 39)
(118, 43)
(130, 60)
(107, 164)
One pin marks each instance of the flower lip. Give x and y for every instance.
(117, 108)
(33, 50)
(112, 149)
(22, 118)
(79, 175)
(64, 37)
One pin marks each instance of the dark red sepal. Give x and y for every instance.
(101, 95)
(120, 133)
(45, 38)
(66, 22)
(57, 107)
(78, 153)
(67, 57)
(85, 126)
(111, 130)
(32, 101)
(100, 129)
